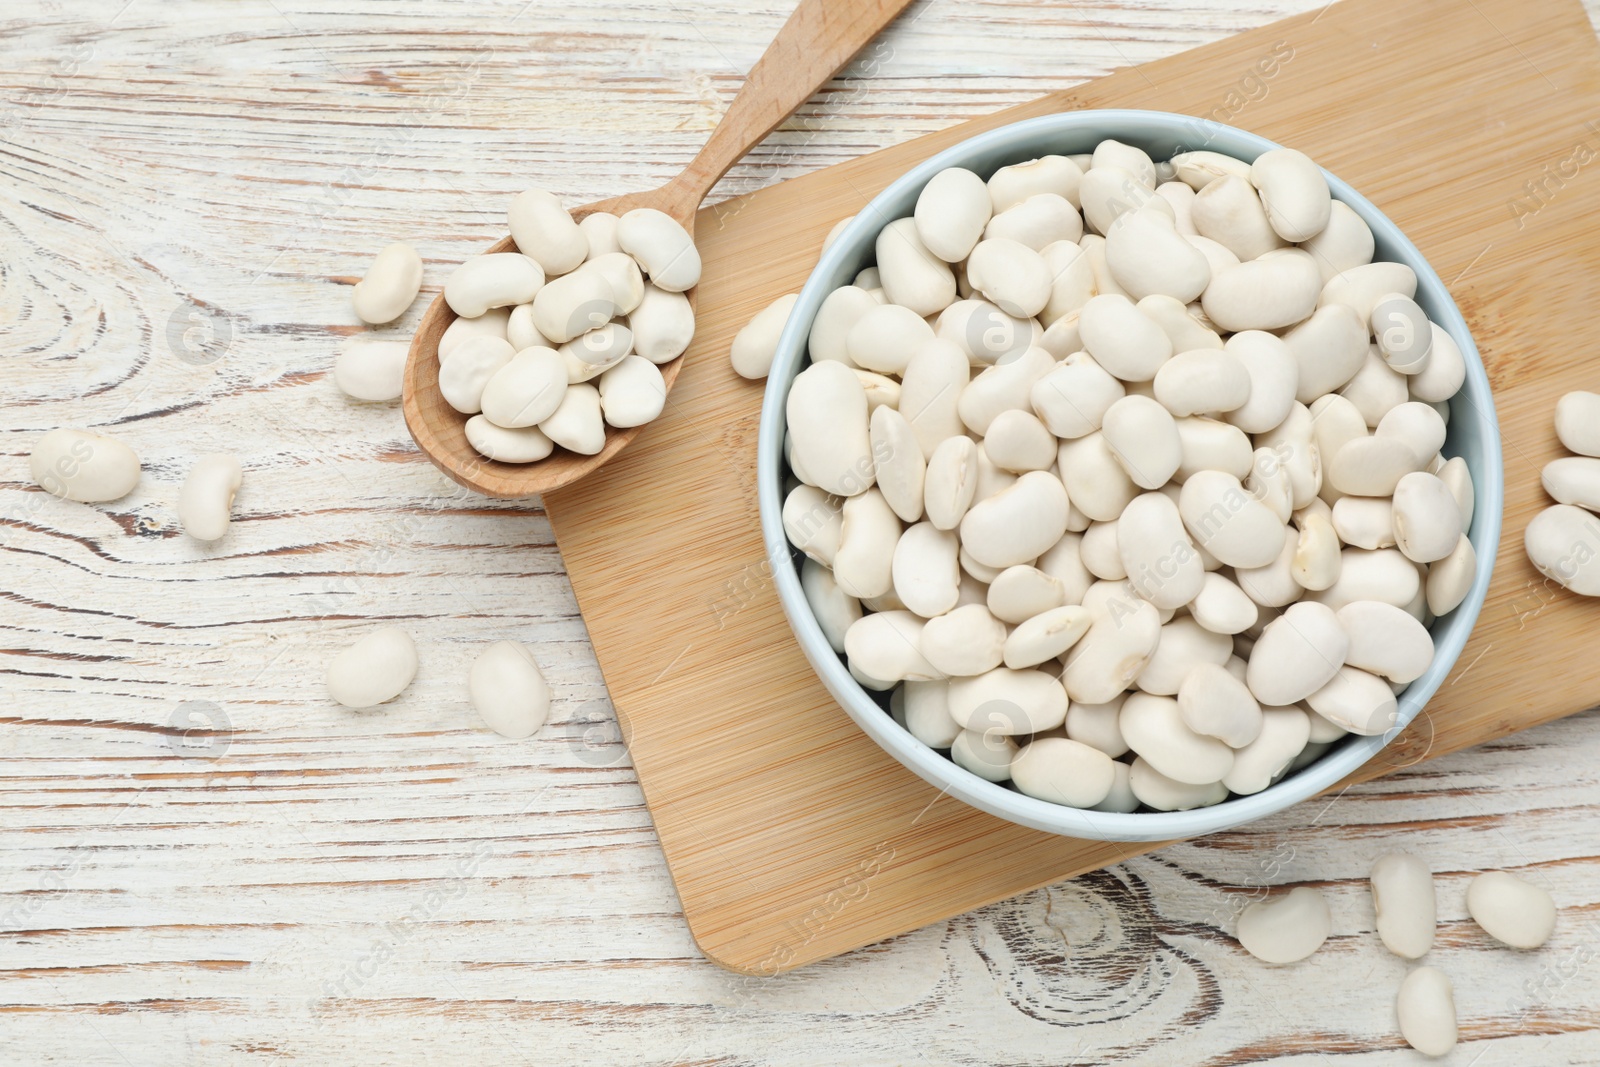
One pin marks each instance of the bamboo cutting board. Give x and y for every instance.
(791, 836)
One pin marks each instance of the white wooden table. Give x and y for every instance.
(186, 191)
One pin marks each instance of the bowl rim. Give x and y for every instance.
(1026, 140)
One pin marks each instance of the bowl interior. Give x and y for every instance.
(1473, 435)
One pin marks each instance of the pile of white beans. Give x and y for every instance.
(1125, 477)
(1510, 910)
(1563, 541)
(564, 337)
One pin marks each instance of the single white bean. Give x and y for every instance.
(997, 389)
(834, 609)
(492, 323)
(1229, 212)
(662, 325)
(1199, 169)
(1046, 636)
(1374, 466)
(1364, 521)
(525, 445)
(467, 370)
(1287, 928)
(1154, 729)
(374, 669)
(1144, 439)
(1212, 445)
(841, 310)
(1073, 398)
(1214, 703)
(496, 279)
(987, 754)
(1361, 287)
(898, 465)
(1573, 480)
(1344, 243)
(1427, 523)
(600, 230)
(925, 574)
(814, 522)
(1403, 899)
(1578, 422)
(863, 564)
(1202, 381)
(1010, 186)
(1458, 477)
(1182, 645)
(1134, 160)
(206, 499)
(923, 708)
(930, 392)
(1156, 553)
(1010, 274)
(1063, 771)
(1019, 593)
(885, 337)
(1402, 331)
(577, 423)
(371, 370)
(526, 390)
(1384, 574)
(1156, 790)
(951, 482)
(390, 284)
(1008, 702)
(1426, 1010)
(1184, 330)
(1563, 543)
(951, 212)
(1018, 442)
(84, 466)
(621, 272)
(964, 642)
(1293, 192)
(508, 690)
(1329, 348)
(1121, 638)
(1273, 376)
(632, 393)
(885, 644)
(573, 304)
(1297, 654)
(663, 248)
(1222, 607)
(544, 231)
(1511, 910)
(827, 418)
(1122, 339)
(1147, 255)
(913, 276)
(1017, 524)
(1040, 220)
(1360, 702)
(1283, 736)
(1229, 523)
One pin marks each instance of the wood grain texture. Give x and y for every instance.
(315, 886)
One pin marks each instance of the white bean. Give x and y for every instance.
(925, 709)
(1297, 654)
(1329, 348)
(1147, 255)
(1426, 1010)
(390, 284)
(1229, 212)
(373, 670)
(1098, 548)
(1063, 771)
(1578, 422)
(1373, 466)
(544, 231)
(662, 325)
(1018, 442)
(663, 249)
(632, 393)
(1293, 192)
(1563, 542)
(1427, 523)
(1134, 160)
(1157, 791)
(206, 499)
(1229, 523)
(1384, 574)
(1185, 331)
(1010, 186)
(1073, 398)
(371, 370)
(621, 272)
(1122, 339)
(1273, 380)
(1182, 645)
(1287, 928)
(1109, 192)
(1403, 333)
(885, 646)
(1096, 725)
(1283, 736)
(1361, 287)
(1040, 220)
(84, 466)
(467, 370)
(898, 464)
(1143, 438)
(986, 754)
(1156, 553)
(834, 609)
(1458, 477)
(814, 522)
(885, 337)
(526, 390)
(951, 212)
(1154, 729)
(493, 323)
(1344, 243)
(1214, 703)
(1017, 524)
(951, 482)
(1046, 636)
(913, 276)
(1403, 899)
(964, 642)
(827, 416)
(1199, 169)
(573, 304)
(1263, 294)
(600, 231)
(1222, 607)
(1122, 636)
(924, 570)
(997, 389)
(1573, 480)
(1008, 702)
(1511, 910)
(863, 564)
(930, 391)
(497, 279)
(1010, 274)
(1358, 701)
(508, 690)
(525, 445)
(1202, 381)
(1211, 445)
(577, 424)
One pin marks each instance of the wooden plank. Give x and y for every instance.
(791, 837)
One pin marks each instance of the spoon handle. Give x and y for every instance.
(819, 38)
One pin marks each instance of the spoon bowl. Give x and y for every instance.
(817, 40)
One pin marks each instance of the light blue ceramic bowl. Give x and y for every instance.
(1473, 435)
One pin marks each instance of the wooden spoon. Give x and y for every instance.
(819, 38)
